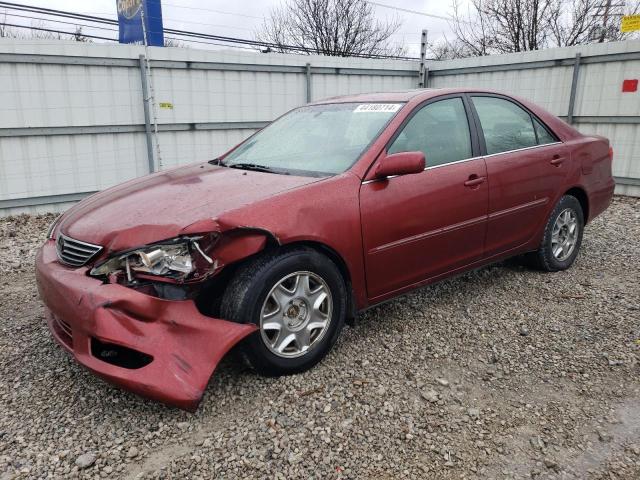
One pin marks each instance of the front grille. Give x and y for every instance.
(74, 252)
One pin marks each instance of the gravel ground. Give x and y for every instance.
(500, 373)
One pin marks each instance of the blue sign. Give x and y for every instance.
(130, 15)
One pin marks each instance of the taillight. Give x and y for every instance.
(611, 153)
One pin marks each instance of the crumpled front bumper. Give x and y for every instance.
(185, 345)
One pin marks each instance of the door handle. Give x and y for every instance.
(557, 160)
(474, 181)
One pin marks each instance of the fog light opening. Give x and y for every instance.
(118, 355)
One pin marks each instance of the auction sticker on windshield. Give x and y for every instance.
(377, 108)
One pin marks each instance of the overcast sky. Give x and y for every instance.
(243, 17)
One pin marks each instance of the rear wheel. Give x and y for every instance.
(297, 299)
(562, 237)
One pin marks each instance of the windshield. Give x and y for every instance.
(315, 140)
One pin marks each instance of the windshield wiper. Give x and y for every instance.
(253, 166)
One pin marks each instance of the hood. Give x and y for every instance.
(161, 205)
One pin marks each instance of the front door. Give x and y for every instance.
(417, 227)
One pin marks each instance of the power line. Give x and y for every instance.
(101, 28)
(211, 10)
(60, 21)
(58, 13)
(186, 33)
(414, 12)
(59, 31)
(253, 49)
(206, 24)
(104, 28)
(115, 22)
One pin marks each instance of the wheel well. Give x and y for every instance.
(329, 252)
(208, 299)
(340, 263)
(582, 197)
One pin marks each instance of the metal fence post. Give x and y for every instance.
(308, 77)
(147, 115)
(423, 72)
(574, 87)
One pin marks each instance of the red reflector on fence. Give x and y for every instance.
(630, 85)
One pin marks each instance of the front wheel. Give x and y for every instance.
(562, 237)
(297, 299)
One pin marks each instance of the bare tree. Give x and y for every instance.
(174, 42)
(4, 30)
(501, 26)
(329, 27)
(448, 50)
(79, 37)
(504, 26)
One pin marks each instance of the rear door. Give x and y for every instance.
(419, 226)
(526, 165)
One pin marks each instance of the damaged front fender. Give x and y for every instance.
(234, 242)
(242, 242)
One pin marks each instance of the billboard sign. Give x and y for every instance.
(130, 15)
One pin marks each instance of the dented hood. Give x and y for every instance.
(162, 205)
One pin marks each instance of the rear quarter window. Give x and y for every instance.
(544, 136)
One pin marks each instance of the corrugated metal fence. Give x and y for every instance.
(72, 116)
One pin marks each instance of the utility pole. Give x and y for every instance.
(605, 19)
(610, 10)
(152, 96)
(423, 71)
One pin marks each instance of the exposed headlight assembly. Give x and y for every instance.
(178, 259)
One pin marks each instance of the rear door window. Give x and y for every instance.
(505, 125)
(440, 130)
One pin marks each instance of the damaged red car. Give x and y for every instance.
(334, 207)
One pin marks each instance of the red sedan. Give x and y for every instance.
(334, 207)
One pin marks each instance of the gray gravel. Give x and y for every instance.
(500, 373)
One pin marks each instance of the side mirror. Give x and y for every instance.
(402, 163)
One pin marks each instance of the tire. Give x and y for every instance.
(275, 282)
(549, 257)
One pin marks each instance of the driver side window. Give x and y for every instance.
(440, 130)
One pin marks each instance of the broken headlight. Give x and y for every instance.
(178, 258)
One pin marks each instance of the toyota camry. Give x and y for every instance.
(334, 207)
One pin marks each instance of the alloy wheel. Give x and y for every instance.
(564, 234)
(296, 314)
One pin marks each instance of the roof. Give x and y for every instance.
(397, 96)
